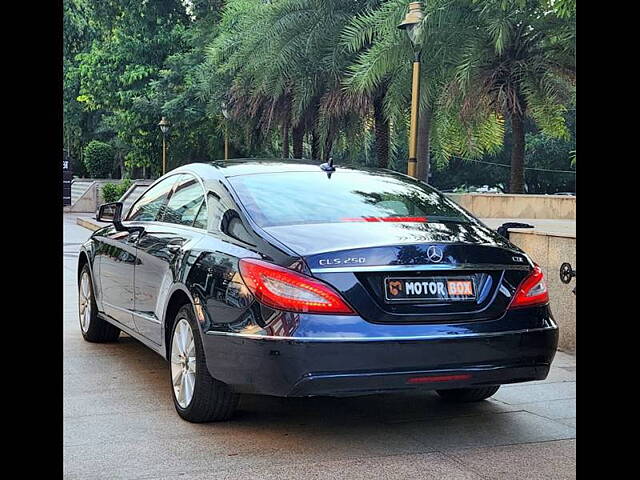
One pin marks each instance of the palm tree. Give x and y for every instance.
(518, 59)
(383, 62)
(281, 64)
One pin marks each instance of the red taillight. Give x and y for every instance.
(284, 289)
(532, 291)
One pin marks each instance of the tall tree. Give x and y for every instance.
(384, 61)
(117, 71)
(518, 59)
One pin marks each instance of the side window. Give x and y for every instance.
(201, 218)
(233, 226)
(185, 203)
(224, 218)
(150, 205)
(217, 207)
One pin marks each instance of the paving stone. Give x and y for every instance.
(563, 359)
(523, 393)
(486, 430)
(567, 421)
(553, 409)
(424, 466)
(161, 450)
(554, 460)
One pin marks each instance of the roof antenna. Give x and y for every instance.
(328, 167)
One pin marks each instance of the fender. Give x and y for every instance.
(88, 248)
(166, 298)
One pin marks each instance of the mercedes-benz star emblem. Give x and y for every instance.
(434, 254)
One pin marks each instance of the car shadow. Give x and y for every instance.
(381, 424)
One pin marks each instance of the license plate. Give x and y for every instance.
(429, 289)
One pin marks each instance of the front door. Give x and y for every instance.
(115, 259)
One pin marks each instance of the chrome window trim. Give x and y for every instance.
(428, 267)
(165, 224)
(378, 339)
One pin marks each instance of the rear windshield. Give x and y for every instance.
(295, 198)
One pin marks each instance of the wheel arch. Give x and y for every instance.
(179, 297)
(83, 259)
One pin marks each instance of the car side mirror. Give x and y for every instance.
(112, 212)
(504, 228)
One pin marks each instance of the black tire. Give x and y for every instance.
(468, 394)
(212, 400)
(98, 330)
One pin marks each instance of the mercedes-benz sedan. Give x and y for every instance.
(285, 278)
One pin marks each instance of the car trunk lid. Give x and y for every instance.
(359, 259)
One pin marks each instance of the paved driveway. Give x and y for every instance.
(119, 422)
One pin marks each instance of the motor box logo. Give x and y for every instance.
(429, 289)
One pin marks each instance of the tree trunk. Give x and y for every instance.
(285, 128)
(517, 154)
(311, 120)
(328, 145)
(314, 145)
(285, 140)
(424, 141)
(381, 125)
(298, 137)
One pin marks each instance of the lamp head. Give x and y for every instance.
(164, 125)
(412, 23)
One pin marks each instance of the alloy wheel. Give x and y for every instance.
(84, 299)
(183, 363)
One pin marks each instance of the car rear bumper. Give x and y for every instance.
(336, 367)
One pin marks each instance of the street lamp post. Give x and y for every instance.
(412, 24)
(164, 128)
(225, 113)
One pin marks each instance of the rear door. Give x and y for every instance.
(179, 224)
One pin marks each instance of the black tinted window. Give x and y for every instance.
(201, 218)
(294, 198)
(150, 205)
(185, 202)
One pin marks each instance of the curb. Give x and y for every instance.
(88, 223)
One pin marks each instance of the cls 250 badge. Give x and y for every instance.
(429, 289)
(342, 261)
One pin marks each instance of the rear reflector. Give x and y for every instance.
(283, 289)
(532, 291)
(440, 378)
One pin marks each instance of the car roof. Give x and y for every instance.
(250, 166)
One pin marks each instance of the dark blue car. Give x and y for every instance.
(280, 278)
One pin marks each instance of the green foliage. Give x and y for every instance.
(98, 159)
(112, 192)
(551, 155)
(319, 67)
